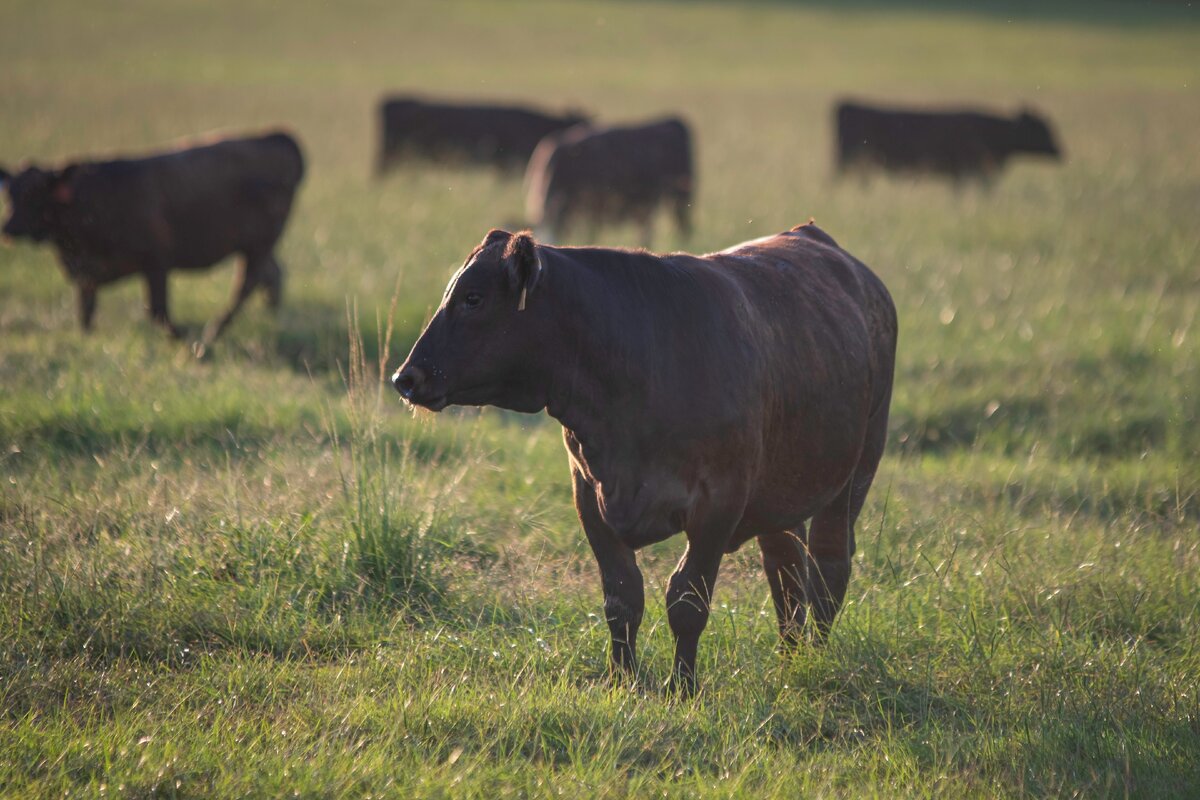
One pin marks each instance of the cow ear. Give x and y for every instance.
(523, 265)
(494, 236)
(5, 177)
(63, 190)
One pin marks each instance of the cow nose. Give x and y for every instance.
(407, 379)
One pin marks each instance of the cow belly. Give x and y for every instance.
(99, 271)
(196, 244)
(802, 474)
(785, 508)
(205, 254)
(644, 512)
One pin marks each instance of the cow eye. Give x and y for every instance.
(472, 300)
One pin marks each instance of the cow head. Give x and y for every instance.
(36, 196)
(483, 344)
(1033, 135)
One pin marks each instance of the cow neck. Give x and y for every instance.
(598, 374)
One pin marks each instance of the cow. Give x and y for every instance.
(733, 396)
(182, 209)
(497, 135)
(590, 177)
(954, 144)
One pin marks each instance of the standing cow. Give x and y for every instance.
(501, 136)
(732, 396)
(955, 144)
(184, 209)
(589, 177)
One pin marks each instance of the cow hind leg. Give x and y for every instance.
(831, 537)
(87, 305)
(551, 230)
(383, 163)
(588, 225)
(646, 223)
(683, 215)
(273, 281)
(785, 562)
(253, 271)
(828, 567)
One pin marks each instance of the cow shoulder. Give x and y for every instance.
(810, 230)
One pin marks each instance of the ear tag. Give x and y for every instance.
(521, 303)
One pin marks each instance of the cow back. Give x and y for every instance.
(186, 208)
(609, 173)
(503, 135)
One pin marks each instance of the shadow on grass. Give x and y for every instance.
(198, 435)
(1108, 499)
(80, 435)
(1107, 405)
(1124, 14)
(312, 337)
(1050, 733)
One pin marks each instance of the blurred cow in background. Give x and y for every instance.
(589, 177)
(955, 144)
(496, 135)
(184, 209)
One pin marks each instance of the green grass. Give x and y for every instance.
(257, 575)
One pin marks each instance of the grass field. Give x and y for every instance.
(258, 575)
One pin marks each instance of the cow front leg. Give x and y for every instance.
(156, 291)
(624, 593)
(87, 305)
(273, 282)
(689, 597)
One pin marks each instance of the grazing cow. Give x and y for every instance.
(183, 209)
(502, 136)
(732, 396)
(597, 176)
(955, 144)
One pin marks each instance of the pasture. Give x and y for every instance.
(257, 574)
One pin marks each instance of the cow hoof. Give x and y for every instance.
(620, 677)
(682, 687)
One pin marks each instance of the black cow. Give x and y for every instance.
(183, 209)
(590, 177)
(955, 144)
(497, 135)
(732, 396)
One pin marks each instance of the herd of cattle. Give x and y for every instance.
(190, 208)
(734, 396)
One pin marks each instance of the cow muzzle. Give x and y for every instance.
(413, 384)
